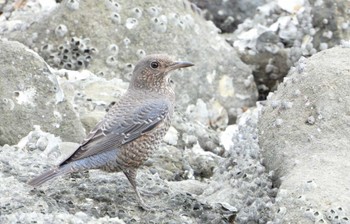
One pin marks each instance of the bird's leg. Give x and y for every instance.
(131, 175)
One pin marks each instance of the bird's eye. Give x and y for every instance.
(154, 64)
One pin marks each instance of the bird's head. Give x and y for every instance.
(152, 72)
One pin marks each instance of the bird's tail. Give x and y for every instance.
(50, 174)
(91, 162)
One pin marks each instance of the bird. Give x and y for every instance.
(132, 128)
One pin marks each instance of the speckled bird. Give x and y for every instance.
(132, 129)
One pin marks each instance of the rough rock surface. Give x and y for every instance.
(240, 181)
(109, 37)
(239, 190)
(90, 95)
(206, 171)
(304, 133)
(93, 196)
(227, 15)
(333, 19)
(30, 95)
(282, 31)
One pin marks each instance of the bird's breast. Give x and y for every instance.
(134, 153)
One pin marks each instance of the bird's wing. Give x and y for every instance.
(114, 131)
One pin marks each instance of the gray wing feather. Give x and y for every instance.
(116, 130)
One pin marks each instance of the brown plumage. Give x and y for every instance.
(132, 128)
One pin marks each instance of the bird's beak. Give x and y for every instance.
(179, 64)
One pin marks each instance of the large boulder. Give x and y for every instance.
(109, 37)
(304, 133)
(280, 32)
(332, 17)
(31, 95)
(94, 196)
(227, 15)
(240, 181)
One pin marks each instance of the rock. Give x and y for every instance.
(168, 163)
(227, 15)
(310, 156)
(272, 68)
(90, 120)
(200, 163)
(226, 136)
(175, 164)
(333, 19)
(41, 140)
(212, 114)
(115, 35)
(19, 15)
(191, 131)
(171, 136)
(240, 180)
(94, 196)
(282, 31)
(66, 149)
(91, 95)
(31, 95)
(194, 187)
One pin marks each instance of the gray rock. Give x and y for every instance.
(228, 14)
(281, 32)
(95, 196)
(333, 19)
(175, 164)
(18, 15)
(109, 37)
(240, 180)
(90, 120)
(191, 131)
(91, 95)
(271, 69)
(310, 156)
(31, 95)
(43, 141)
(194, 187)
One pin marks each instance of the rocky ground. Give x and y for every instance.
(227, 157)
